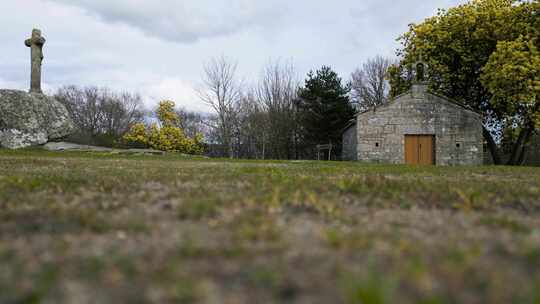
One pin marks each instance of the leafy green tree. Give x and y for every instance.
(324, 108)
(512, 76)
(458, 44)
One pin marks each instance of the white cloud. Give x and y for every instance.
(175, 89)
(11, 85)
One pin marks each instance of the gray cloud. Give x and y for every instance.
(158, 48)
(184, 21)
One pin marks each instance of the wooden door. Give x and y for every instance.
(420, 149)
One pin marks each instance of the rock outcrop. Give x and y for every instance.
(70, 147)
(31, 119)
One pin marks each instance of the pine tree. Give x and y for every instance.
(324, 109)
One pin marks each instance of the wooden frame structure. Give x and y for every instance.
(322, 148)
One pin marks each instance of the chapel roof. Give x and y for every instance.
(422, 87)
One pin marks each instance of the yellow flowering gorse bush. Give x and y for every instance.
(169, 137)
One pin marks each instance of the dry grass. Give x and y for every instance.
(96, 228)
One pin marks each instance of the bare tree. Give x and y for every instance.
(120, 112)
(277, 91)
(252, 129)
(83, 105)
(194, 123)
(99, 113)
(369, 85)
(222, 92)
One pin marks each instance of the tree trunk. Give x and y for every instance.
(231, 149)
(492, 147)
(264, 148)
(519, 147)
(521, 160)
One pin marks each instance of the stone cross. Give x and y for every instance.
(421, 70)
(36, 45)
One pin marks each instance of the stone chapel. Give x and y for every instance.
(418, 127)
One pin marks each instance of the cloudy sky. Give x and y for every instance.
(158, 48)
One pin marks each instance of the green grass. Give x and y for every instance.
(96, 227)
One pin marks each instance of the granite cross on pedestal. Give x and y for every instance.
(36, 45)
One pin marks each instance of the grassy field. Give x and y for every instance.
(91, 228)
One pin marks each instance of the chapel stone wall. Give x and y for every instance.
(458, 131)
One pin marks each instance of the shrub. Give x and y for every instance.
(169, 137)
(137, 135)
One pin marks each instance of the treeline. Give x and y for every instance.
(276, 117)
(280, 117)
(101, 116)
